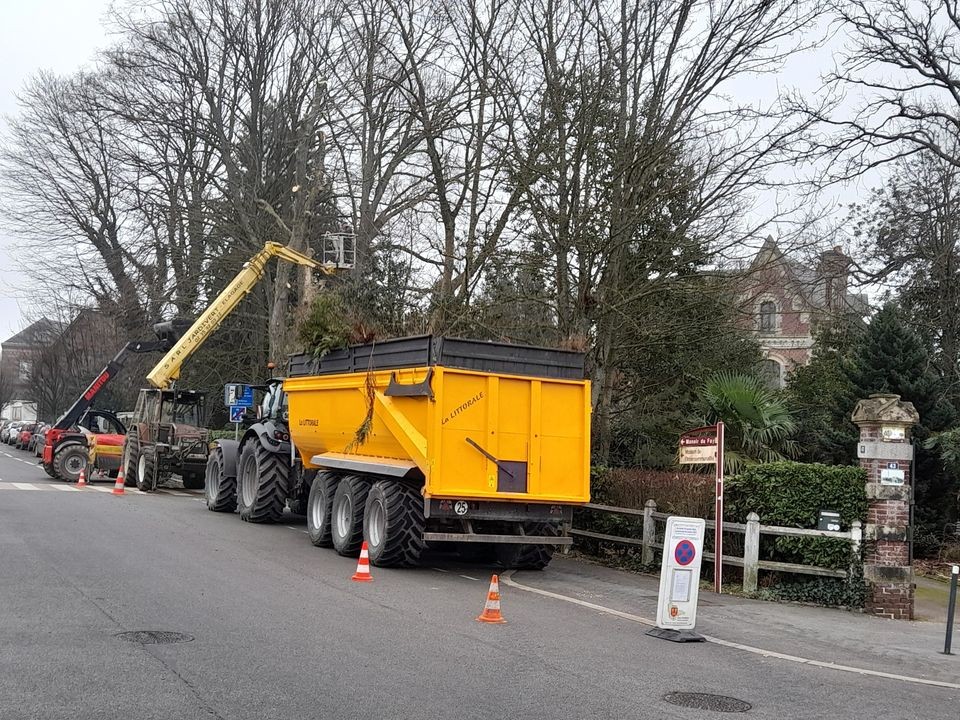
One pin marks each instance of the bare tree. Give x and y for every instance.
(896, 90)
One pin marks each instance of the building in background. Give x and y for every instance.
(19, 356)
(786, 301)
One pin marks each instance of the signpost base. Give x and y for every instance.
(678, 636)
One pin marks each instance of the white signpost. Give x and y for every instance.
(680, 580)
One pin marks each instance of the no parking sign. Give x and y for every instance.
(680, 573)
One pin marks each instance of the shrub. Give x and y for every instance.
(792, 494)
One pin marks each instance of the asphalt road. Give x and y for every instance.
(281, 632)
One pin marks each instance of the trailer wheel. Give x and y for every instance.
(68, 463)
(261, 484)
(393, 524)
(346, 531)
(221, 490)
(147, 470)
(131, 452)
(320, 508)
(529, 557)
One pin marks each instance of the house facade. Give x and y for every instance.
(19, 356)
(785, 302)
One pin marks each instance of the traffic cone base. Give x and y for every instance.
(118, 485)
(82, 480)
(491, 609)
(363, 566)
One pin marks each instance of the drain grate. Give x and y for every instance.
(154, 637)
(706, 701)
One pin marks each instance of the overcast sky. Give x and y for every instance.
(63, 35)
(59, 35)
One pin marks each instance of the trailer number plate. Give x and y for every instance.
(460, 507)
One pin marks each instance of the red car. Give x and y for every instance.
(24, 437)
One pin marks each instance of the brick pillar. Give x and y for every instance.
(885, 451)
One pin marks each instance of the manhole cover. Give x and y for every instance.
(154, 637)
(706, 701)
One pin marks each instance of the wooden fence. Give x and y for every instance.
(751, 530)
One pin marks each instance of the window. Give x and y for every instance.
(772, 373)
(768, 316)
(26, 369)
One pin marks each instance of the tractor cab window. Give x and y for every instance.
(102, 425)
(184, 410)
(273, 402)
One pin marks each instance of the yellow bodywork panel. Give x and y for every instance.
(482, 435)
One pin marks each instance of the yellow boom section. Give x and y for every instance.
(168, 369)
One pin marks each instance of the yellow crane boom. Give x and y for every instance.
(168, 369)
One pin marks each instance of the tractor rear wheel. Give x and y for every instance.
(221, 489)
(262, 483)
(393, 524)
(346, 531)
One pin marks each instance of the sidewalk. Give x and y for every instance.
(822, 634)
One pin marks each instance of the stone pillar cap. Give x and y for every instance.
(885, 408)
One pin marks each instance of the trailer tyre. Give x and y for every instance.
(131, 452)
(221, 490)
(320, 509)
(529, 557)
(68, 462)
(261, 484)
(393, 524)
(349, 500)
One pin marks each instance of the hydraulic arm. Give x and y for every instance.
(168, 369)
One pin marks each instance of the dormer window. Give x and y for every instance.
(768, 316)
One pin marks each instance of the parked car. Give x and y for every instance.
(23, 437)
(10, 432)
(36, 441)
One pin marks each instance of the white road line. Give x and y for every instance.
(467, 577)
(101, 489)
(65, 488)
(510, 582)
(440, 570)
(24, 486)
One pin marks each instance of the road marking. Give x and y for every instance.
(440, 570)
(508, 580)
(467, 577)
(65, 488)
(26, 486)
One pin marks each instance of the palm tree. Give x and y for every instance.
(758, 427)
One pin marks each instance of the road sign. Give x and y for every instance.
(698, 449)
(685, 553)
(236, 413)
(237, 394)
(680, 573)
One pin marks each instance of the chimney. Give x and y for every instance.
(834, 270)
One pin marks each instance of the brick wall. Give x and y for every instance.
(891, 600)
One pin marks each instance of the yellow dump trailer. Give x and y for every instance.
(446, 439)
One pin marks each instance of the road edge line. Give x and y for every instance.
(508, 580)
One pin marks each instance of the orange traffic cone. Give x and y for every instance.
(491, 609)
(82, 480)
(118, 485)
(363, 566)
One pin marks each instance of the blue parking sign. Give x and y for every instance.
(236, 413)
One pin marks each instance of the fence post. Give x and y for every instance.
(649, 536)
(856, 542)
(751, 553)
